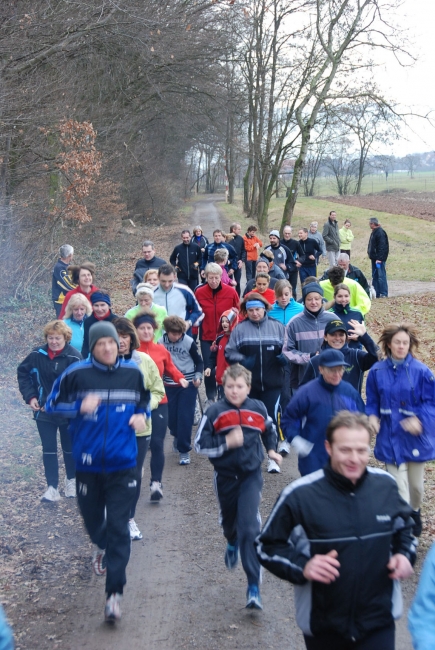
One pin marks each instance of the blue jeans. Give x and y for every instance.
(306, 271)
(379, 276)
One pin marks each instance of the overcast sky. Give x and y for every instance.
(414, 87)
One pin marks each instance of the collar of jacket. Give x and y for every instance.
(341, 482)
(406, 363)
(259, 322)
(103, 367)
(44, 350)
(307, 312)
(341, 309)
(324, 384)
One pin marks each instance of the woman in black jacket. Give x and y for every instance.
(36, 375)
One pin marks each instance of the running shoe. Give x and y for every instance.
(70, 487)
(184, 459)
(99, 561)
(174, 445)
(135, 533)
(273, 467)
(51, 494)
(156, 491)
(284, 448)
(232, 555)
(112, 611)
(253, 598)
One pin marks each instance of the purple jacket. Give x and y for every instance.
(395, 392)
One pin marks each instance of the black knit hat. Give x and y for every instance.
(100, 330)
(311, 287)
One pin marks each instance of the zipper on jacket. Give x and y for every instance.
(261, 358)
(103, 451)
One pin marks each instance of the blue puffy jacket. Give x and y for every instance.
(395, 392)
(308, 414)
(102, 441)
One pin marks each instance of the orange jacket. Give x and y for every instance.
(252, 253)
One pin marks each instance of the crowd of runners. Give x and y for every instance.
(282, 353)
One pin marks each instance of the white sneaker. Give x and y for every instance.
(112, 611)
(273, 467)
(51, 494)
(134, 530)
(156, 491)
(284, 448)
(70, 487)
(99, 561)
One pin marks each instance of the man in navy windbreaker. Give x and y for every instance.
(310, 410)
(107, 403)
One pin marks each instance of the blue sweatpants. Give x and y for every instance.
(181, 412)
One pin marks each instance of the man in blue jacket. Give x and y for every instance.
(107, 403)
(310, 410)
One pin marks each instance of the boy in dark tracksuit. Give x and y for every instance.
(229, 434)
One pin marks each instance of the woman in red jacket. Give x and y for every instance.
(214, 298)
(145, 324)
(262, 281)
(83, 276)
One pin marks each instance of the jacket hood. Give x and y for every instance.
(233, 317)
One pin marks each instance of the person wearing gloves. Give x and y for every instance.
(304, 333)
(145, 298)
(36, 375)
(107, 403)
(231, 434)
(256, 343)
(101, 311)
(401, 405)
(337, 337)
(309, 412)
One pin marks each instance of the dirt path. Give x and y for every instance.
(179, 593)
(408, 288)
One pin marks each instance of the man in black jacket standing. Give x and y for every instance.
(292, 245)
(343, 535)
(149, 261)
(238, 243)
(332, 238)
(186, 257)
(378, 250)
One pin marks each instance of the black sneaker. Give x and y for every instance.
(418, 524)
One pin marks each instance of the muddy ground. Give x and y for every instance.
(414, 204)
(179, 594)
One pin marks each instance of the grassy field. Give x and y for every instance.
(412, 241)
(422, 182)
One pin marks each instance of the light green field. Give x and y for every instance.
(422, 182)
(412, 241)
